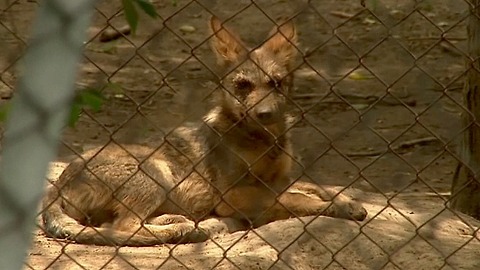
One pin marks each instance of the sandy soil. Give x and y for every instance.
(402, 231)
(407, 88)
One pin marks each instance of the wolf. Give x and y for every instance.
(229, 172)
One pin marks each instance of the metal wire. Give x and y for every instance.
(354, 57)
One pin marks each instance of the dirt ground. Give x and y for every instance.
(368, 80)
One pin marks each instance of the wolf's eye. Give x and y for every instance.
(274, 83)
(243, 84)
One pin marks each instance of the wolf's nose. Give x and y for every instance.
(264, 115)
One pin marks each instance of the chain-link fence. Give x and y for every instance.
(193, 124)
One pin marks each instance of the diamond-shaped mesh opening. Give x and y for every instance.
(373, 111)
(375, 30)
(435, 54)
(331, 59)
(433, 256)
(374, 257)
(388, 68)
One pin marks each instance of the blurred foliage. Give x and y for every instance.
(4, 109)
(92, 98)
(131, 13)
(89, 98)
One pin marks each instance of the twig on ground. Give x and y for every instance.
(446, 47)
(436, 38)
(402, 146)
(341, 14)
(353, 99)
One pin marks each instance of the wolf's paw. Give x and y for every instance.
(166, 219)
(350, 210)
(191, 234)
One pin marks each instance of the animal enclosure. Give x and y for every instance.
(375, 110)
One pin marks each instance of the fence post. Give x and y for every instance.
(466, 185)
(39, 108)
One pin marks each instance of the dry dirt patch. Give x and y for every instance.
(397, 234)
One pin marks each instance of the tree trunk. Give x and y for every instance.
(466, 181)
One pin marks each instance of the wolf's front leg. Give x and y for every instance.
(303, 198)
(259, 205)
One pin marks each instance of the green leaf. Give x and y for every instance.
(115, 87)
(91, 98)
(131, 14)
(109, 48)
(4, 110)
(75, 112)
(358, 76)
(147, 7)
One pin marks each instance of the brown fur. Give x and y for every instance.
(228, 172)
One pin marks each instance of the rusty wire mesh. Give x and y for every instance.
(376, 108)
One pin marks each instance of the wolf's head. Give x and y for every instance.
(258, 79)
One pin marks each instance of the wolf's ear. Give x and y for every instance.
(227, 46)
(282, 42)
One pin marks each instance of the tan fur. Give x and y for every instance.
(225, 174)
